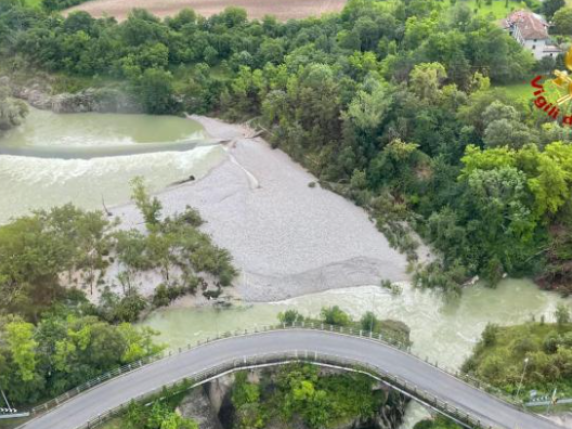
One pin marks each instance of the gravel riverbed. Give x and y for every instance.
(288, 239)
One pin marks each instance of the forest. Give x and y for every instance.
(397, 105)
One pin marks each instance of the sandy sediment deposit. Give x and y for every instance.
(287, 238)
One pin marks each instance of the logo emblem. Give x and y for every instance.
(563, 80)
(557, 94)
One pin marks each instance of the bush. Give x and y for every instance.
(335, 316)
(489, 336)
(115, 309)
(369, 322)
(551, 343)
(524, 345)
(289, 317)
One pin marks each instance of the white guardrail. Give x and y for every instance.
(280, 358)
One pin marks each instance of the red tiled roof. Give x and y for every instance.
(530, 25)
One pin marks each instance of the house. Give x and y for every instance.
(531, 31)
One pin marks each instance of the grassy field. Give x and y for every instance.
(498, 8)
(522, 91)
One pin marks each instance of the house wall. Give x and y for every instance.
(536, 47)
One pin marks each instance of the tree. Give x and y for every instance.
(149, 207)
(503, 132)
(87, 234)
(155, 89)
(31, 259)
(19, 336)
(562, 315)
(550, 7)
(426, 81)
(563, 21)
(368, 110)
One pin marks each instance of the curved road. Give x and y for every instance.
(109, 395)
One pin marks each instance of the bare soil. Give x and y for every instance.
(283, 10)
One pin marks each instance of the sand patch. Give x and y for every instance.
(287, 239)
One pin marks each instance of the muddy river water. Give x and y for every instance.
(87, 158)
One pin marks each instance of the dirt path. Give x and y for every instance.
(284, 10)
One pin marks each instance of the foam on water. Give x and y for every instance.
(34, 183)
(52, 173)
(443, 331)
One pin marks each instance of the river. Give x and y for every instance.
(74, 158)
(442, 330)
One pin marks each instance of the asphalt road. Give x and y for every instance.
(98, 400)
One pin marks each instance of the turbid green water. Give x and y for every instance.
(45, 128)
(30, 182)
(442, 331)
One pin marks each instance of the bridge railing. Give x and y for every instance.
(352, 331)
(46, 406)
(298, 356)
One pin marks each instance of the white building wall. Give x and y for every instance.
(536, 47)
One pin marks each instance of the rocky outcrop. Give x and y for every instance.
(197, 406)
(102, 100)
(392, 412)
(39, 94)
(219, 391)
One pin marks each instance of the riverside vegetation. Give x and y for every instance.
(392, 330)
(499, 358)
(51, 337)
(388, 102)
(298, 395)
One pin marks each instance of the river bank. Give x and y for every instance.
(288, 236)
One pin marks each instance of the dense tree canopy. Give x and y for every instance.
(66, 348)
(387, 102)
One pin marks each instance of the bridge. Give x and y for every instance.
(362, 353)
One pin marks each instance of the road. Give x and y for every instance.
(98, 400)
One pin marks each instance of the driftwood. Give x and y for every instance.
(191, 178)
(105, 209)
(233, 142)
